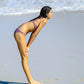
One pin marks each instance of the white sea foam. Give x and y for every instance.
(8, 7)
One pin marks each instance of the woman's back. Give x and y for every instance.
(30, 26)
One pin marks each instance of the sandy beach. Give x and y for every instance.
(55, 57)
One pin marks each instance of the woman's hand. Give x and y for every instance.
(27, 50)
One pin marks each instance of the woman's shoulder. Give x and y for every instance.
(42, 20)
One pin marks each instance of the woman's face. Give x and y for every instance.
(49, 15)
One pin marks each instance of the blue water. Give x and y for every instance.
(8, 7)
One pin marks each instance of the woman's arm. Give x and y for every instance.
(35, 33)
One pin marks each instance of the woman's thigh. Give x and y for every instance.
(22, 45)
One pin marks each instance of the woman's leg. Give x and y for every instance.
(22, 46)
(21, 43)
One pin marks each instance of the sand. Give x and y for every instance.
(55, 57)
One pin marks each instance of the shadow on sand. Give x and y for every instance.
(6, 82)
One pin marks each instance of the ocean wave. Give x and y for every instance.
(14, 7)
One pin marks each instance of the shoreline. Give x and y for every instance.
(39, 12)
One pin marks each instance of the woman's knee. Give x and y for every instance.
(24, 58)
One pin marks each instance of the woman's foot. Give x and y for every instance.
(35, 82)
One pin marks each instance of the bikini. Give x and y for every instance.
(17, 30)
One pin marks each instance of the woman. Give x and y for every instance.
(33, 26)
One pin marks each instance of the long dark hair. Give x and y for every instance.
(45, 10)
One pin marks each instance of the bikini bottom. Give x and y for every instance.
(17, 30)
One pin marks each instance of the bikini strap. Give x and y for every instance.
(34, 24)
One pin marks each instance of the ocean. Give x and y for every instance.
(14, 7)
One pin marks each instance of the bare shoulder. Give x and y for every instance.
(43, 21)
(40, 21)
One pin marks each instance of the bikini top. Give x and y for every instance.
(34, 25)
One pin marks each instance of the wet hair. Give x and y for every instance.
(45, 10)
